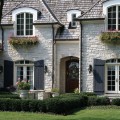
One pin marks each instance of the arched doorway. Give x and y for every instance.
(72, 75)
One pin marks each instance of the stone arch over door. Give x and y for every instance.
(69, 71)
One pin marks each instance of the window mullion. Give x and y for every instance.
(24, 23)
(117, 17)
(25, 72)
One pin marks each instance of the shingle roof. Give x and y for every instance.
(60, 8)
(36, 4)
(56, 11)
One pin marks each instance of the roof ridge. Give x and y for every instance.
(89, 9)
(51, 12)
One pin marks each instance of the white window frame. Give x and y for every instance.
(69, 15)
(106, 5)
(24, 67)
(23, 10)
(24, 17)
(116, 64)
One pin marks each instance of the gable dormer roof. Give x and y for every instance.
(9, 6)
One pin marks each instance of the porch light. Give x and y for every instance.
(45, 69)
(90, 68)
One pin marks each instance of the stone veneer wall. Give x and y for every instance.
(93, 48)
(42, 51)
(63, 51)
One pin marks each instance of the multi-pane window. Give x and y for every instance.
(113, 76)
(24, 24)
(73, 23)
(114, 18)
(24, 71)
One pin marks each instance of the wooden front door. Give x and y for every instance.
(72, 75)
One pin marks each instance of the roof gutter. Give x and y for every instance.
(89, 19)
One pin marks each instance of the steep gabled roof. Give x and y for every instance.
(46, 16)
(95, 12)
(60, 8)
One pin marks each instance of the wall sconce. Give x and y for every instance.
(45, 69)
(1, 69)
(90, 68)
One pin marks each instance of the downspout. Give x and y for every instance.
(2, 36)
(53, 42)
(81, 57)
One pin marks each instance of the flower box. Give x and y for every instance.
(23, 40)
(110, 37)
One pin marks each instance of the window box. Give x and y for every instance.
(110, 37)
(23, 40)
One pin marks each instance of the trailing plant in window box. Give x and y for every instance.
(111, 37)
(23, 40)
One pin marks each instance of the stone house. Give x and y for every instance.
(64, 49)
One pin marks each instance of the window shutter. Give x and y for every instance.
(99, 76)
(8, 73)
(39, 75)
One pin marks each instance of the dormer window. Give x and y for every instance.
(23, 19)
(73, 22)
(114, 18)
(71, 15)
(24, 24)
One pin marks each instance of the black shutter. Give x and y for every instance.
(39, 75)
(8, 73)
(99, 76)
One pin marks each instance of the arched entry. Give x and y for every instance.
(72, 75)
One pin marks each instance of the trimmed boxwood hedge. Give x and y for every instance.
(64, 105)
(11, 96)
(116, 101)
(22, 105)
(59, 105)
(92, 100)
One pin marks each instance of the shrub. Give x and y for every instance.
(116, 101)
(11, 96)
(25, 105)
(62, 105)
(92, 100)
(88, 93)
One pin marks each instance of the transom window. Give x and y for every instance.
(114, 18)
(24, 71)
(24, 24)
(113, 61)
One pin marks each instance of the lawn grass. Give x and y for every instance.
(86, 114)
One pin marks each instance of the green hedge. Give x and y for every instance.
(22, 105)
(12, 96)
(64, 105)
(58, 105)
(92, 100)
(116, 101)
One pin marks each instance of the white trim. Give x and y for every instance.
(24, 69)
(23, 10)
(106, 5)
(70, 12)
(116, 77)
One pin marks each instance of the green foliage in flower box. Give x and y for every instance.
(23, 40)
(111, 37)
